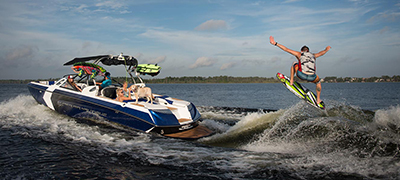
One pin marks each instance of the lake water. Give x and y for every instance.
(358, 139)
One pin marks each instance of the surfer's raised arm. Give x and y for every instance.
(293, 52)
(321, 53)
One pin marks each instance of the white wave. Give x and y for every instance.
(389, 117)
(254, 120)
(250, 124)
(286, 121)
(311, 142)
(24, 116)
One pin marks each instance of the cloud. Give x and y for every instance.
(86, 44)
(196, 44)
(110, 4)
(384, 29)
(139, 55)
(359, 1)
(158, 60)
(81, 8)
(290, 1)
(202, 62)
(275, 60)
(254, 62)
(21, 51)
(143, 60)
(387, 15)
(228, 65)
(14, 56)
(212, 25)
(348, 60)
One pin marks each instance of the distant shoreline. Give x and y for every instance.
(225, 80)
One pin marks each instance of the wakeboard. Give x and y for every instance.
(301, 91)
(148, 69)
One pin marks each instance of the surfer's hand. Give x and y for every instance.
(328, 48)
(271, 40)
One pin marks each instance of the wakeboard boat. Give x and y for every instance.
(167, 116)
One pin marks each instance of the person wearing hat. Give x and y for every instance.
(106, 82)
(73, 84)
(304, 67)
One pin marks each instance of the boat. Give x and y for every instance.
(167, 116)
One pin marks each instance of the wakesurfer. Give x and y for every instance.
(304, 67)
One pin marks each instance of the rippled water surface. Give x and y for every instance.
(359, 139)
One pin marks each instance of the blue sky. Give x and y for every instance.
(200, 38)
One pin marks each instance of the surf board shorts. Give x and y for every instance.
(310, 78)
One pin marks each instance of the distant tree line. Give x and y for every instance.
(333, 79)
(225, 79)
(214, 79)
(25, 81)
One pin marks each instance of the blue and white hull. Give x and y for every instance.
(166, 116)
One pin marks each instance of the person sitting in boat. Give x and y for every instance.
(121, 97)
(71, 84)
(126, 90)
(106, 82)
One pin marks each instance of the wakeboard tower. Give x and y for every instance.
(300, 91)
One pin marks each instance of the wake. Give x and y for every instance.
(349, 139)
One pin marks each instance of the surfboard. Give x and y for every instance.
(301, 91)
(88, 68)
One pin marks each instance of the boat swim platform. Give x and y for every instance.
(191, 134)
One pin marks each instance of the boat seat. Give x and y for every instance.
(109, 92)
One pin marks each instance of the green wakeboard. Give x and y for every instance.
(148, 69)
(301, 91)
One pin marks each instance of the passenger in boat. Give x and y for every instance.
(125, 89)
(72, 84)
(121, 97)
(106, 82)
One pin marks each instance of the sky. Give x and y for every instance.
(202, 37)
